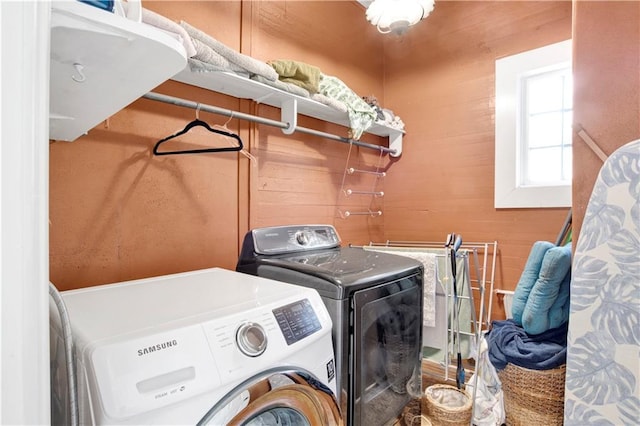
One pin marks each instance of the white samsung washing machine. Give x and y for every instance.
(205, 347)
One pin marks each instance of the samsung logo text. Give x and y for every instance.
(157, 347)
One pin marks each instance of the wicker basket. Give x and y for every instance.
(412, 415)
(533, 397)
(445, 414)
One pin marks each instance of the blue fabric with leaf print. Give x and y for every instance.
(603, 354)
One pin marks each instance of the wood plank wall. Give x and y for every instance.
(302, 182)
(439, 77)
(118, 213)
(607, 87)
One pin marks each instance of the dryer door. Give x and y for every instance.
(282, 398)
(387, 350)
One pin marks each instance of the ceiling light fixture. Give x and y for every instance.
(396, 16)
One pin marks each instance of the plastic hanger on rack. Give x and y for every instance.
(199, 123)
(243, 151)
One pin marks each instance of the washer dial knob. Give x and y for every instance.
(302, 238)
(251, 339)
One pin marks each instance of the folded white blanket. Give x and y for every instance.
(196, 65)
(248, 63)
(156, 20)
(207, 55)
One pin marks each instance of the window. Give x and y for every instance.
(534, 93)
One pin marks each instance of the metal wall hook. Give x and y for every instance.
(352, 170)
(349, 192)
(79, 76)
(348, 213)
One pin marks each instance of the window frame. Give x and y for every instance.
(508, 108)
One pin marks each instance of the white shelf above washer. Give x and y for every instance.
(100, 63)
(244, 88)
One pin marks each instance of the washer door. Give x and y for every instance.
(283, 399)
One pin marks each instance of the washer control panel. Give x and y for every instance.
(295, 238)
(297, 320)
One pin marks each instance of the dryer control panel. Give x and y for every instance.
(294, 238)
(297, 320)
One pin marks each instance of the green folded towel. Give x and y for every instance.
(298, 73)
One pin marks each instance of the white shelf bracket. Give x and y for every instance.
(395, 143)
(289, 115)
(262, 98)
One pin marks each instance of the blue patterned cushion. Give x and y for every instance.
(528, 279)
(555, 267)
(559, 311)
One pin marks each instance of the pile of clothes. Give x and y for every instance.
(206, 54)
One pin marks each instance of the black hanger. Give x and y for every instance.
(194, 123)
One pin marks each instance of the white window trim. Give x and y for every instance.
(508, 71)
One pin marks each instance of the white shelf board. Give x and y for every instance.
(120, 61)
(244, 88)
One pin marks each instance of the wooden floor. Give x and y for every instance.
(434, 373)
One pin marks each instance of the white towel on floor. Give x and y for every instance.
(429, 262)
